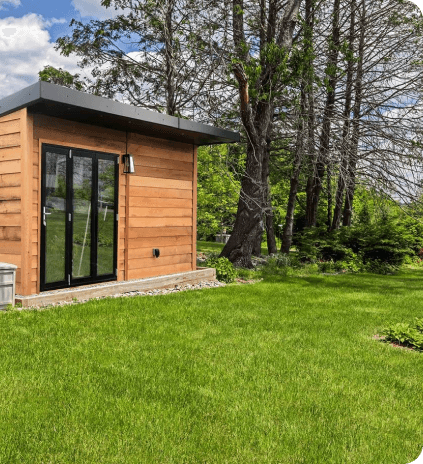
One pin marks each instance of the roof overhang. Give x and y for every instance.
(61, 102)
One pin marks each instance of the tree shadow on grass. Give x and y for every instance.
(405, 281)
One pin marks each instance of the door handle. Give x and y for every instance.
(44, 215)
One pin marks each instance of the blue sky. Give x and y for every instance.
(28, 30)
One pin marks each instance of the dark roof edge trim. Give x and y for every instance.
(45, 91)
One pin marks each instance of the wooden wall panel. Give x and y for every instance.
(194, 211)
(10, 190)
(156, 204)
(160, 211)
(158, 270)
(27, 187)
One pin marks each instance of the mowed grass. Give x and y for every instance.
(282, 371)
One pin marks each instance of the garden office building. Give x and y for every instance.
(94, 191)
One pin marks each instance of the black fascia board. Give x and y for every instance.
(57, 101)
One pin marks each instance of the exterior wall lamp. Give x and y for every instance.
(128, 164)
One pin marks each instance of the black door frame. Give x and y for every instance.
(95, 155)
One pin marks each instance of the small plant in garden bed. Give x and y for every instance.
(225, 271)
(405, 334)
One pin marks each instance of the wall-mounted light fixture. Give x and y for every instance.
(128, 164)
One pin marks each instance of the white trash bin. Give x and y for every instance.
(7, 284)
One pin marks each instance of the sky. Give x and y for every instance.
(28, 31)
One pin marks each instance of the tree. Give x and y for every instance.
(259, 61)
(151, 54)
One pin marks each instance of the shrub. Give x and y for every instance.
(326, 266)
(405, 334)
(381, 267)
(225, 271)
(384, 241)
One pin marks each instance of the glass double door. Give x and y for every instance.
(79, 217)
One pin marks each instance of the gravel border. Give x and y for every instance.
(160, 291)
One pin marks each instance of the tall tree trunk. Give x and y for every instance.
(329, 189)
(352, 167)
(267, 200)
(307, 114)
(345, 147)
(256, 118)
(315, 184)
(298, 158)
(257, 244)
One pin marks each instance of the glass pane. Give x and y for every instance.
(106, 216)
(82, 193)
(55, 217)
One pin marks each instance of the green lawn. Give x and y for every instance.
(283, 371)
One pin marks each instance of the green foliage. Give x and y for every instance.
(381, 267)
(61, 77)
(225, 271)
(380, 246)
(217, 192)
(406, 334)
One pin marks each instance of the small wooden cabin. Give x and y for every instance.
(69, 213)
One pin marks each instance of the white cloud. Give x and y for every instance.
(14, 3)
(25, 48)
(94, 8)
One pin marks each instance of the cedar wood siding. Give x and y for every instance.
(16, 192)
(157, 204)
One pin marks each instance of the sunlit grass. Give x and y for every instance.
(283, 371)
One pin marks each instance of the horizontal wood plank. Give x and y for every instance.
(78, 128)
(10, 167)
(78, 141)
(10, 233)
(11, 247)
(12, 116)
(165, 153)
(10, 193)
(136, 212)
(158, 270)
(159, 222)
(158, 242)
(163, 163)
(165, 251)
(10, 153)
(147, 202)
(159, 192)
(153, 232)
(159, 144)
(142, 263)
(10, 219)
(12, 126)
(159, 173)
(10, 140)
(7, 207)
(10, 180)
(138, 181)
(11, 259)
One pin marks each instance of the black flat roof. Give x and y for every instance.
(61, 102)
